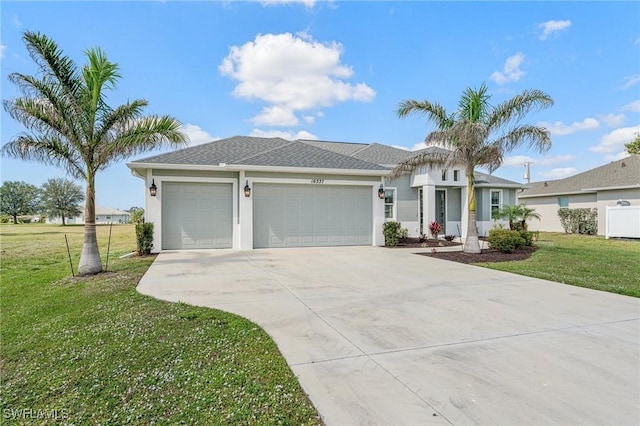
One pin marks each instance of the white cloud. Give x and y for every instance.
(615, 140)
(293, 73)
(2, 49)
(283, 134)
(613, 120)
(307, 3)
(618, 156)
(630, 81)
(561, 129)
(16, 21)
(551, 160)
(511, 70)
(558, 173)
(197, 136)
(275, 116)
(632, 106)
(551, 27)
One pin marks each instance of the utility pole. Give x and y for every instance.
(527, 172)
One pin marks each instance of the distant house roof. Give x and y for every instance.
(108, 211)
(275, 152)
(623, 173)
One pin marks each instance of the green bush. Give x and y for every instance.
(144, 238)
(527, 236)
(403, 234)
(505, 240)
(392, 233)
(5, 218)
(579, 221)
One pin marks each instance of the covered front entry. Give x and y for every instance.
(295, 215)
(196, 215)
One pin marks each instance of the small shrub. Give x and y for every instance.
(449, 237)
(435, 228)
(391, 231)
(403, 234)
(579, 221)
(5, 219)
(505, 240)
(144, 238)
(422, 238)
(527, 236)
(25, 220)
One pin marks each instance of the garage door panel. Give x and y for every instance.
(197, 215)
(308, 215)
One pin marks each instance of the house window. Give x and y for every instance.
(456, 175)
(496, 201)
(444, 175)
(563, 202)
(390, 203)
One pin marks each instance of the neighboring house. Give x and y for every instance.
(595, 188)
(248, 192)
(103, 215)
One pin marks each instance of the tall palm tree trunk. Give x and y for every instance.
(90, 262)
(471, 244)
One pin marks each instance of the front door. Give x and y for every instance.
(441, 209)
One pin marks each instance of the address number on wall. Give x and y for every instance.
(317, 180)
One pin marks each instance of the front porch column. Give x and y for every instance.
(464, 219)
(428, 206)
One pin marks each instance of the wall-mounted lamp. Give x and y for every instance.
(247, 190)
(381, 192)
(153, 189)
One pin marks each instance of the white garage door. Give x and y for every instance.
(196, 215)
(311, 215)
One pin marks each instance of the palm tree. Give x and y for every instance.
(525, 214)
(69, 124)
(510, 212)
(476, 135)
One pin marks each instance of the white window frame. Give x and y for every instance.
(394, 204)
(500, 201)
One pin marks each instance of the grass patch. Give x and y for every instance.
(95, 351)
(582, 260)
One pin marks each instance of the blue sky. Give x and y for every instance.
(337, 70)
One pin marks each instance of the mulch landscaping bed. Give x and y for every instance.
(487, 255)
(413, 242)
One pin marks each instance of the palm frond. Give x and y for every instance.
(137, 136)
(429, 160)
(46, 150)
(434, 112)
(518, 107)
(474, 104)
(528, 135)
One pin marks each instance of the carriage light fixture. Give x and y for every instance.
(381, 192)
(247, 190)
(153, 189)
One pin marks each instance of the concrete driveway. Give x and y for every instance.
(380, 336)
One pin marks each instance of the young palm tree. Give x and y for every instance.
(525, 214)
(510, 212)
(476, 135)
(69, 124)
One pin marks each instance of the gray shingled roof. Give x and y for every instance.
(621, 173)
(483, 179)
(277, 152)
(344, 148)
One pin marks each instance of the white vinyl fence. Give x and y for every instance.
(623, 222)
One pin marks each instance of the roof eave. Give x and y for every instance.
(254, 168)
(553, 194)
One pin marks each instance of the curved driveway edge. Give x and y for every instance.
(380, 336)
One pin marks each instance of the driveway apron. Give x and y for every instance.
(384, 336)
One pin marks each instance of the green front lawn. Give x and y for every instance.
(94, 351)
(581, 260)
